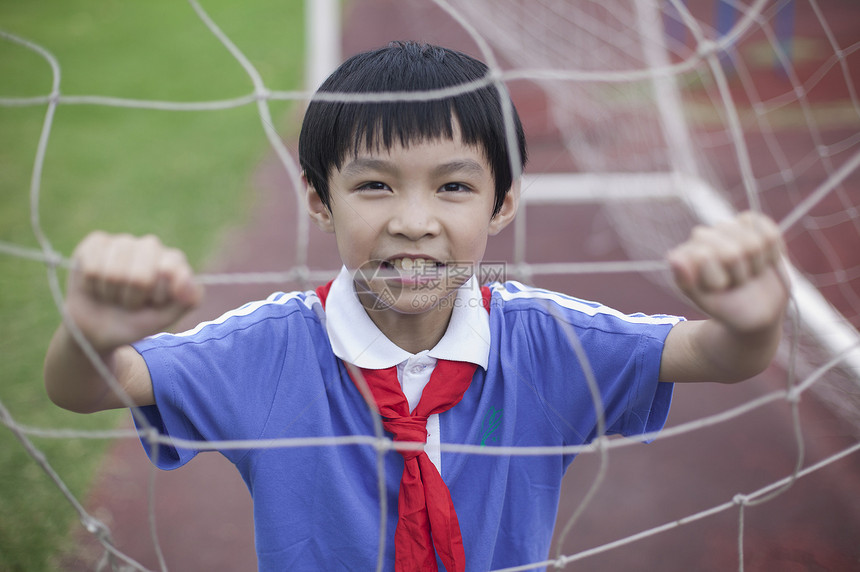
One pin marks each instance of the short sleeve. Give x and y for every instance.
(218, 381)
(589, 363)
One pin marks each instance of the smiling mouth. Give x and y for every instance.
(416, 265)
(414, 274)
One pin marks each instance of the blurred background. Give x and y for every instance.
(644, 118)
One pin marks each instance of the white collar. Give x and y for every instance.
(356, 339)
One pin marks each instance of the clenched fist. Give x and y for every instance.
(123, 288)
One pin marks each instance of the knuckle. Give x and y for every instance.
(140, 279)
(123, 238)
(89, 243)
(96, 236)
(87, 267)
(733, 253)
(89, 273)
(700, 232)
(772, 233)
(747, 216)
(150, 241)
(174, 258)
(114, 277)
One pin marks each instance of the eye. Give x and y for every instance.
(455, 188)
(373, 186)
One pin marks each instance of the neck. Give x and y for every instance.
(413, 332)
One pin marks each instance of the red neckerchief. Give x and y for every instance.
(426, 516)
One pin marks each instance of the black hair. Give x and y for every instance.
(333, 129)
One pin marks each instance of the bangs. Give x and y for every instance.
(377, 127)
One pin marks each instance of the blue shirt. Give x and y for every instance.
(268, 371)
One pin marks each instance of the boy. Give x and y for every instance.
(412, 190)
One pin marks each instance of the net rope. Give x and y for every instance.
(577, 87)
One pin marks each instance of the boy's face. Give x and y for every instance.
(412, 223)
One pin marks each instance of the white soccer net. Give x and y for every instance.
(707, 117)
(655, 115)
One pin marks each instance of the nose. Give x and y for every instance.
(415, 219)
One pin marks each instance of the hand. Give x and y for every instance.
(122, 288)
(732, 272)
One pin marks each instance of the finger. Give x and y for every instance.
(768, 245)
(696, 267)
(717, 259)
(139, 272)
(123, 253)
(680, 268)
(86, 263)
(178, 279)
(745, 246)
(161, 291)
(713, 275)
(733, 245)
(104, 274)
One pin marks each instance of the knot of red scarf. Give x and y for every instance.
(412, 429)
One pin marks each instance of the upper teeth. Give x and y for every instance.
(411, 263)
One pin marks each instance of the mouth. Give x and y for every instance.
(413, 273)
(417, 265)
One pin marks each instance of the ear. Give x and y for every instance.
(509, 209)
(320, 213)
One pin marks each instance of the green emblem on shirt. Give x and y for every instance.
(492, 421)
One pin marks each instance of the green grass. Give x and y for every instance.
(184, 176)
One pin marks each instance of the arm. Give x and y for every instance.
(120, 290)
(732, 273)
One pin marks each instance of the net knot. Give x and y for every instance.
(302, 273)
(95, 527)
(383, 444)
(740, 499)
(150, 435)
(793, 395)
(707, 48)
(54, 259)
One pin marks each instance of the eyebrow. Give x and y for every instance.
(361, 165)
(459, 166)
